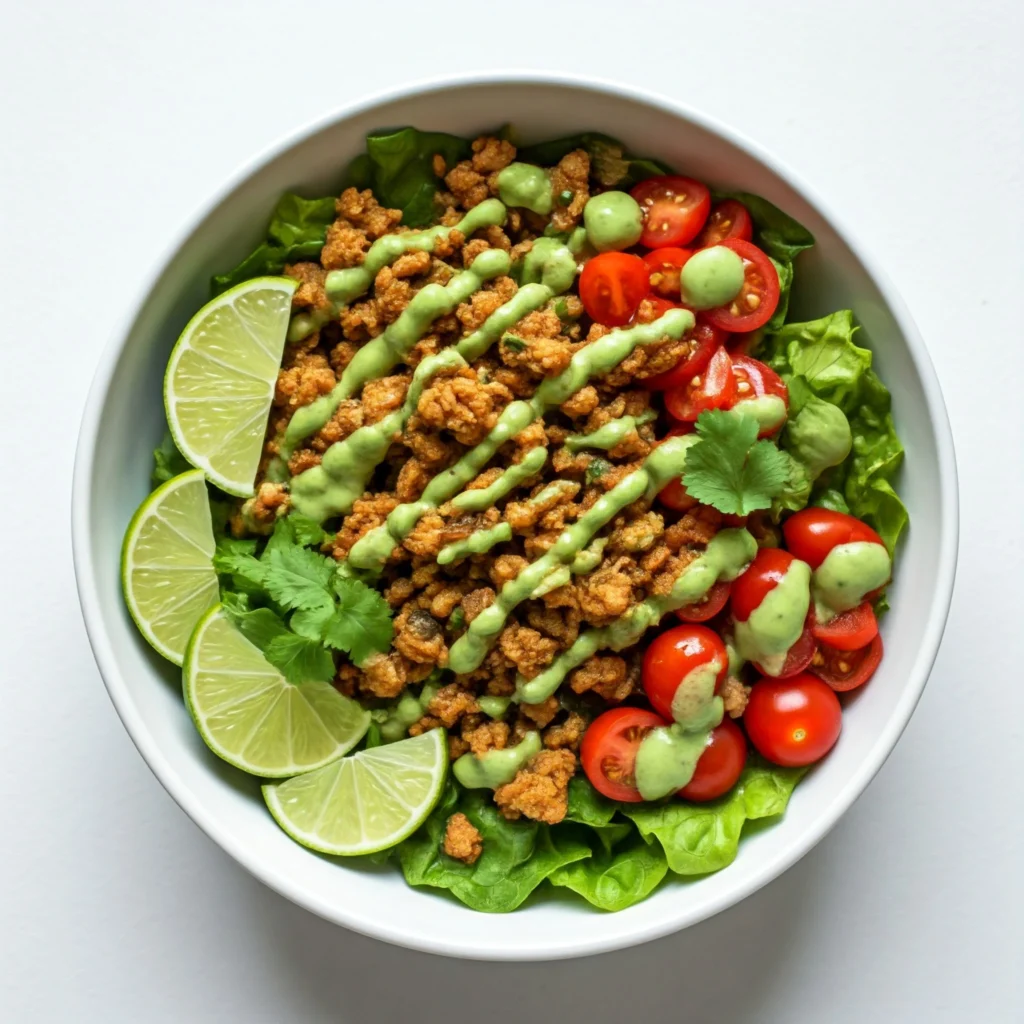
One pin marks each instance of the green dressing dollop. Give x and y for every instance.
(819, 436)
(613, 221)
(495, 767)
(711, 277)
(777, 622)
(526, 186)
(848, 573)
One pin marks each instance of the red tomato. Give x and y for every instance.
(708, 606)
(653, 307)
(850, 630)
(608, 751)
(612, 286)
(675, 209)
(714, 389)
(703, 340)
(758, 298)
(846, 670)
(663, 266)
(674, 496)
(755, 379)
(812, 533)
(729, 219)
(674, 655)
(798, 657)
(719, 767)
(763, 574)
(793, 722)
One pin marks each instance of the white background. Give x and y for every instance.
(118, 119)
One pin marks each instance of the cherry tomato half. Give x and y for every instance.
(663, 266)
(715, 388)
(608, 751)
(755, 379)
(675, 209)
(846, 670)
(758, 297)
(708, 606)
(849, 630)
(674, 496)
(719, 767)
(673, 655)
(729, 219)
(812, 533)
(702, 342)
(793, 722)
(612, 286)
(763, 574)
(798, 658)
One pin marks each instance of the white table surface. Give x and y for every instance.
(117, 119)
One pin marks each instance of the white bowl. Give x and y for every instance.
(124, 420)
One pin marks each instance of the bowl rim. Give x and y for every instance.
(248, 857)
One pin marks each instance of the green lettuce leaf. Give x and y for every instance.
(611, 164)
(296, 232)
(399, 167)
(168, 462)
(699, 838)
(820, 356)
(517, 855)
(588, 807)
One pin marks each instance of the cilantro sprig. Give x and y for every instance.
(729, 468)
(291, 603)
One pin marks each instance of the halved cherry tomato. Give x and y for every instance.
(702, 342)
(846, 670)
(729, 219)
(673, 655)
(608, 751)
(709, 605)
(612, 285)
(759, 296)
(850, 630)
(793, 722)
(798, 657)
(812, 533)
(719, 767)
(675, 209)
(663, 266)
(762, 575)
(674, 496)
(755, 379)
(653, 307)
(714, 389)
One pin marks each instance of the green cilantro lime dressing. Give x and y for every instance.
(711, 277)
(611, 434)
(668, 755)
(819, 436)
(613, 220)
(332, 487)
(475, 544)
(494, 707)
(726, 557)
(768, 410)
(486, 497)
(777, 622)
(664, 463)
(549, 262)
(495, 767)
(848, 573)
(526, 186)
(409, 710)
(371, 551)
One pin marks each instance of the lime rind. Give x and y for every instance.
(364, 803)
(220, 379)
(167, 573)
(249, 715)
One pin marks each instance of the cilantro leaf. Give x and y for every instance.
(311, 621)
(297, 577)
(362, 624)
(299, 659)
(306, 531)
(260, 626)
(729, 468)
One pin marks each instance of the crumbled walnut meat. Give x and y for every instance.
(606, 675)
(567, 734)
(366, 515)
(734, 697)
(384, 675)
(451, 703)
(476, 601)
(571, 175)
(540, 790)
(485, 735)
(527, 649)
(458, 403)
(384, 395)
(606, 593)
(541, 714)
(583, 403)
(462, 840)
(310, 293)
(418, 636)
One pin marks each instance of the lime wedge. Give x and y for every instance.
(366, 802)
(252, 717)
(166, 563)
(220, 380)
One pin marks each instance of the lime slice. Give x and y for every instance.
(252, 717)
(166, 563)
(220, 380)
(366, 802)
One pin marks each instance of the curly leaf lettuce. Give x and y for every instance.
(820, 358)
(296, 232)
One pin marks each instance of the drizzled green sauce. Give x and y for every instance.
(496, 767)
(609, 435)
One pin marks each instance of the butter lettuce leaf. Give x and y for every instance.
(517, 856)
(296, 232)
(168, 462)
